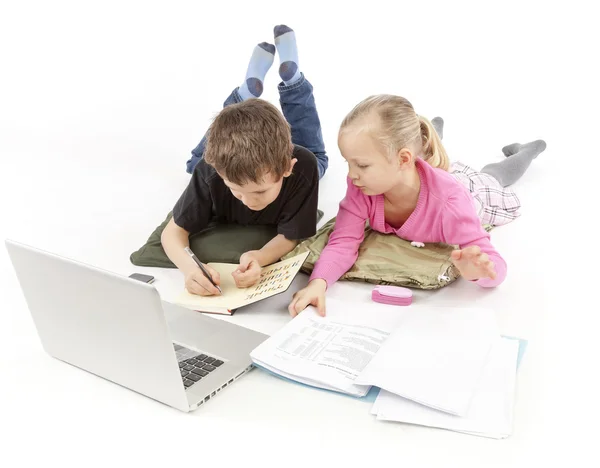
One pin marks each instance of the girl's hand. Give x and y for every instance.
(313, 294)
(473, 264)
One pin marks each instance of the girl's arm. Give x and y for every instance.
(341, 250)
(462, 227)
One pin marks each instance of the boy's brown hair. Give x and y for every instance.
(248, 140)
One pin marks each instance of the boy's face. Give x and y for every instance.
(257, 196)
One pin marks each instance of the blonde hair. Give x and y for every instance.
(396, 126)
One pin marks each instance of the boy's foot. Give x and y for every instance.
(535, 147)
(260, 62)
(285, 40)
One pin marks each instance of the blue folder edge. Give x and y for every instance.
(374, 391)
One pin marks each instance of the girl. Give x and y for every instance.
(398, 180)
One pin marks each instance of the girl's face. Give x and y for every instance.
(369, 168)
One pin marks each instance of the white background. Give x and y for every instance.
(100, 105)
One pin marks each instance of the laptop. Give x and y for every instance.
(118, 328)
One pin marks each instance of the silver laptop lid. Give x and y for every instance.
(107, 324)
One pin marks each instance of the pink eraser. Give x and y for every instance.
(394, 295)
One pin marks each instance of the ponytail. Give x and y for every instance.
(433, 150)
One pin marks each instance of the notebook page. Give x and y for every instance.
(231, 294)
(274, 279)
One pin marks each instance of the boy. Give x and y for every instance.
(250, 169)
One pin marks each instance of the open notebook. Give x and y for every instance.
(434, 356)
(274, 279)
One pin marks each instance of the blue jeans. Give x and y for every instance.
(299, 108)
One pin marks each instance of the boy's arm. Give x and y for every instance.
(273, 250)
(191, 214)
(297, 220)
(174, 240)
(249, 269)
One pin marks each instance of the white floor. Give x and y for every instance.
(99, 108)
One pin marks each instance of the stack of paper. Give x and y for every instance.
(491, 408)
(444, 367)
(435, 357)
(328, 352)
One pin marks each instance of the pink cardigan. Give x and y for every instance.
(445, 212)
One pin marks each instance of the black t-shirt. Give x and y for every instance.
(294, 211)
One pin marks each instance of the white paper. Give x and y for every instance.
(328, 352)
(491, 411)
(435, 357)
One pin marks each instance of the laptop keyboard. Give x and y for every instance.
(194, 366)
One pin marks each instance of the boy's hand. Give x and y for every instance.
(313, 294)
(197, 283)
(473, 264)
(248, 271)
